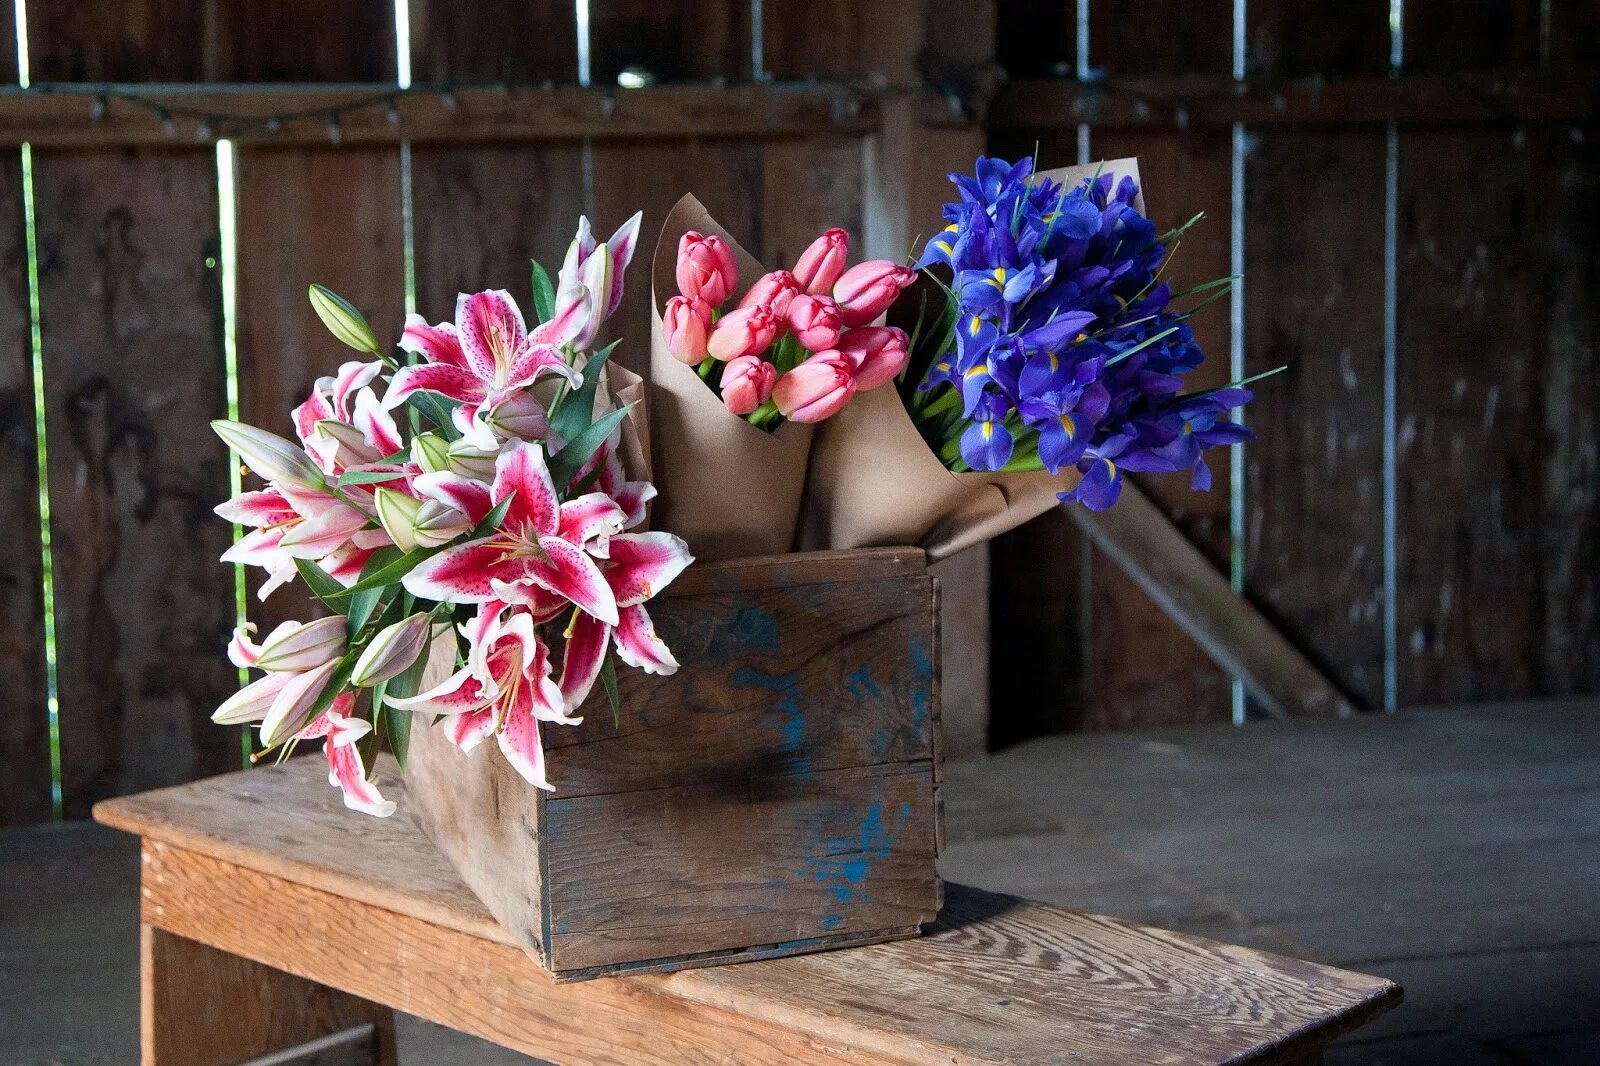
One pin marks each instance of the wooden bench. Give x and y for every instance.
(271, 916)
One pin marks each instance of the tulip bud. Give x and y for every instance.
(747, 331)
(431, 452)
(291, 708)
(821, 264)
(251, 703)
(877, 354)
(816, 322)
(866, 290)
(683, 329)
(397, 514)
(269, 455)
(293, 647)
(816, 389)
(706, 270)
(773, 291)
(394, 649)
(747, 383)
(343, 320)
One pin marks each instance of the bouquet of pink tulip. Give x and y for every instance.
(798, 344)
(505, 532)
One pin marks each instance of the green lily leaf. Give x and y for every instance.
(368, 477)
(566, 463)
(387, 573)
(544, 293)
(437, 410)
(576, 412)
(323, 587)
(492, 520)
(608, 678)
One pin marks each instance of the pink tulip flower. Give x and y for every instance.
(816, 321)
(866, 290)
(747, 331)
(706, 270)
(747, 383)
(773, 291)
(877, 353)
(821, 264)
(816, 389)
(684, 328)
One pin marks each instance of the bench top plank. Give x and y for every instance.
(996, 980)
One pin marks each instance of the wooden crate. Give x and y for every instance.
(777, 795)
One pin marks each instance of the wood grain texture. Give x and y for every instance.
(692, 40)
(130, 312)
(1496, 359)
(1305, 38)
(1169, 569)
(328, 215)
(809, 185)
(24, 732)
(775, 793)
(997, 980)
(1446, 37)
(1129, 37)
(482, 212)
(1314, 501)
(514, 42)
(212, 40)
(200, 1006)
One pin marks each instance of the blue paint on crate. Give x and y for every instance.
(861, 685)
(922, 676)
(831, 922)
(755, 627)
(845, 864)
(784, 713)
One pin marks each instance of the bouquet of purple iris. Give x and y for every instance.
(1057, 344)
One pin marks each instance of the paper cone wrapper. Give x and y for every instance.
(621, 386)
(874, 481)
(727, 488)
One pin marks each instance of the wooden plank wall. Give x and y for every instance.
(130, 294)
(1496, 526)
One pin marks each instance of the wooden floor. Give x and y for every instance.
(1457, 852)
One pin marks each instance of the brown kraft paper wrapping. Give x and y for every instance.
(875, 482)
(727, 488)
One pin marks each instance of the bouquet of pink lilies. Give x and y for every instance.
(503, 534)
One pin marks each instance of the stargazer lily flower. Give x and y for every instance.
(505, 689)
(340, 731)
(542, 542)
(488, 356)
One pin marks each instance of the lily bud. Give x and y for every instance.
(816, 389)
(877, 353)
(747, 383)
(747, 331)
(343, 320)
(431, 452)
(349, 445)
(471, 461)
(293, 647)
(816, 321)
(291, 709)
(578, 252)
(773, 291)
(397, 514)
(683, 329)
(596, 277)
(821, 264)
(269, 454)
(706, 269)
(866, 290)
(394, 649)
(251, 703)
(519, 415)
(438, 523)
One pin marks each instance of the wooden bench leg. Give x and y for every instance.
(202, 1007)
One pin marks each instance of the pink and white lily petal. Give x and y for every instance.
(540, 602)
(352, 376)
(460, 693)
(451, 382)
(467, 731)
(437, 344)
(582, 659)
(344, 564)
(638, 645)
(574, 307)
(642, 564)
(461, 574)
(469, 497)
(546, 699)
(242, 651)
(621, 245)
(532, 362)
(481, 632)
(591, 517)
(491, 330)
(376, 424)
(291, 710)
(320, 536)
(568, 570)
(322, 724)
(251, 703)
(519, 742)
(521, 469)
(264, 508)
(261, 547)
(346, 771)
(278, 575)
(316, 408)
(632, 497)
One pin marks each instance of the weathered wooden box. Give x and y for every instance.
(779, 794)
